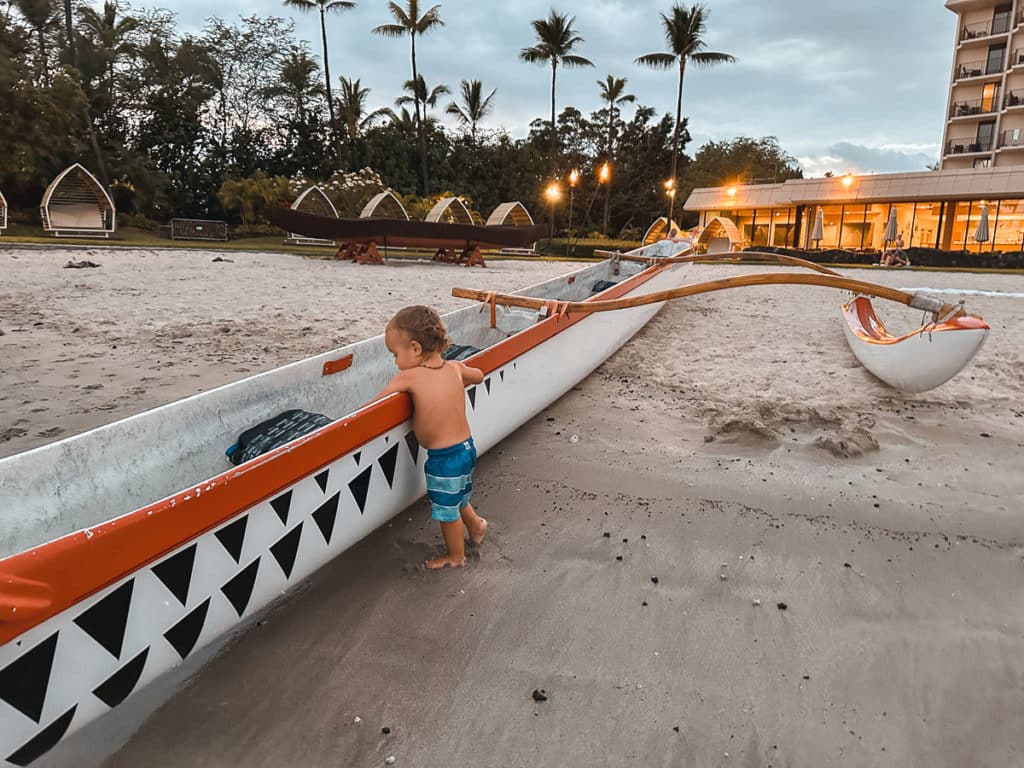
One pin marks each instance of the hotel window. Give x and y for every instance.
(783, 228)
(761, 227)
(1008, 234)
(989, 97)
(1001, 19)
(982, 162)
(986, 132)
(996, 54)
(852, 236)
(925, 225)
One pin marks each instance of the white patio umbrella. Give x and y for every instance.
(818, 231)
(891, 227)
(981, 233)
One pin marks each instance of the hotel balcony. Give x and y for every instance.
(1013, 139)
(967, 146)
(973, 70)
(973, 108)
(1014, 99)
(1016, 58)
(984, 30)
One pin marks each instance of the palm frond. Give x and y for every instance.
(710, 59)
(390, 30)
(457, 112)
(535, 55)
(301, 5)
(399, 14)
(338, 6)
(576, 61)
(657, 60)
(429, 20)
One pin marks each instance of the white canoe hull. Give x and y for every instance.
(916, 362)
(79, 664)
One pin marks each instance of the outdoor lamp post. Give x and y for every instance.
(574, 179)
(670, 190)
(552, 193)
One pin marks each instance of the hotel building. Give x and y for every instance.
(981, 168)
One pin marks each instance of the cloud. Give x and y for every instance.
(825, 76)
(846, 156)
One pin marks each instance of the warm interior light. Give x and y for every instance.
(731, 191)
(605, 173)
(847, 180)
(574, 177)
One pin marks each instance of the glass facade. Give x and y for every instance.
(948, 226)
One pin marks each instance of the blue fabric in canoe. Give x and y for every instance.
(273, 433)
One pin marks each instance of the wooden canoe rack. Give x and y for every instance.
(470, 256)
(360, 253)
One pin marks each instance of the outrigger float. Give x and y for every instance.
(125, 549)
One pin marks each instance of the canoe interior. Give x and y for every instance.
(89, 478)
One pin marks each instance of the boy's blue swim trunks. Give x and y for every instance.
(449, 474)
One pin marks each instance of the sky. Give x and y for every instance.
(844, 85)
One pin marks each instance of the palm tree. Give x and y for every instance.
(684, 32)
(111, 36)
(428, 97)
(612, 94)
(474, 107)
(556, 40)
(325, 7)
(352, 108)
(295, 82)
(41, 17)
(408, 21)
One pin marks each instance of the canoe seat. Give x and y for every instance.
(273, 433)
(459, 352)
(602, 285)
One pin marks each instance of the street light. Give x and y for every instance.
(604, 174)
(553, 193)
(574, 179)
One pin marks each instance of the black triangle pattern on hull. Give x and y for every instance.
(282, 504)
(232, 537)
(116, 688)
(238, 590)
(387, 463)
(322, 479)
(325, 516)
(285, 549)
(184, 635)
(43, 741)
(360, 487)
(501, 373)
(472, 396)
(487, 385)
(414, 446)
(24, 681)
(175, 572)
(357, 455)
(106, 621)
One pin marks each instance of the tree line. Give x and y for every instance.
(176, 124)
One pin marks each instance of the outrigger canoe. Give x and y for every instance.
(918, 361)
(127, 548)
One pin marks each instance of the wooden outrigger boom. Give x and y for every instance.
(862, 287)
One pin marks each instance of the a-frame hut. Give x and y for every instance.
(312, 200)
(384, 205)
(661, 230)
(510, 215)
(3, 213)
(450, 210)
(720, 235)
(76, 205)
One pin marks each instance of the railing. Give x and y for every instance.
(1014, 99)
(967, 145)
(1017, 58)
(975, 107)
(1011, 138)
(970, 69)
(984, 29)
(1020, 17)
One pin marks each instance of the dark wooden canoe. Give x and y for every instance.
(405, 234)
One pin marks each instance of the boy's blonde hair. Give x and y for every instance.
(424, 326)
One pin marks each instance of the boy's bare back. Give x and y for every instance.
(439, 401)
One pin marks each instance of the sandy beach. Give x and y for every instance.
(729, 546)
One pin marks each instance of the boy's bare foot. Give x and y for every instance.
(445, 561)
(477, 534)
